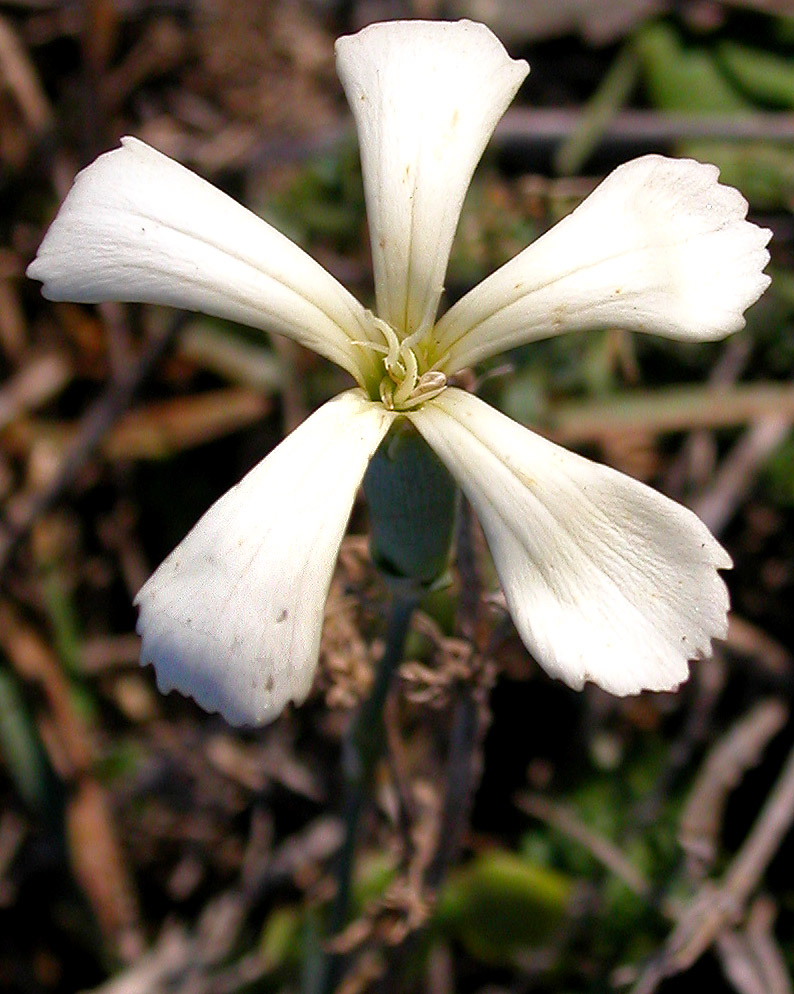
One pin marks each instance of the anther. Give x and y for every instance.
(403, 387)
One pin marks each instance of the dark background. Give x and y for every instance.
(146, 846)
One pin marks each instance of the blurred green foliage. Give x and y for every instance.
(728, 78)
(501, 903)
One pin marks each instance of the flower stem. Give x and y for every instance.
(362, 750)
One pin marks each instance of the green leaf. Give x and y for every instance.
(500, 903)
(280, 944)
(21, 747)
(681, 78)
(762, 75)
(610, 96)
(690, 79)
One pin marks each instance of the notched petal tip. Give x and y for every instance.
(138, 226)
(172, 647)
(659, 247)
(233, 617)
(60, 264)
(426, 96)
(714, 256)
(606, 580)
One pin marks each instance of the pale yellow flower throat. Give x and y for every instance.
(407, 381)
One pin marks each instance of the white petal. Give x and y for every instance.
(426, 97)
(233, 616)
(660, 246)
(137, 226)
(606, 579)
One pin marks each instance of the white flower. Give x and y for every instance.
(606, 579)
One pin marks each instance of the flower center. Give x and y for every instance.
(406, 383)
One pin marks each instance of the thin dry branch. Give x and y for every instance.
(718, 907)
(22, 80)
(96, 424)
(751, 959)
(562, 818)
(534, 125)
(717, 504)
(97, 859)
(724, 768)
(669, 410)
(194, 962)
(37, 382)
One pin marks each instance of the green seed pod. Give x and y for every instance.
(412, 503)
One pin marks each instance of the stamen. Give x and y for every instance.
(416, 337)
(425, 390)
(389, 334)
(372, 345)
(403, 387)
(402, 393)
(395, 368)
(432, 380)
(408, 385)
(386, 391)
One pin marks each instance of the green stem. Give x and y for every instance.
(361, 752)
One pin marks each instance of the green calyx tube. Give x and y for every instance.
(413, 502)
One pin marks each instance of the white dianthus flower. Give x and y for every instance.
(606, 580)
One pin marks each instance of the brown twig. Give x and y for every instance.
(669, 410)
(707, 683)
(96, 856)
(765, 652)
(767, 953)
(723, 769)
(530, 127)
(563, 819)
(34, 384)
(185, 962)
(718, 906)
(470, 709)
(23, 81)
(535, 125)
(751, 959)
(695, 461)
(96, 423)
(717, 504)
